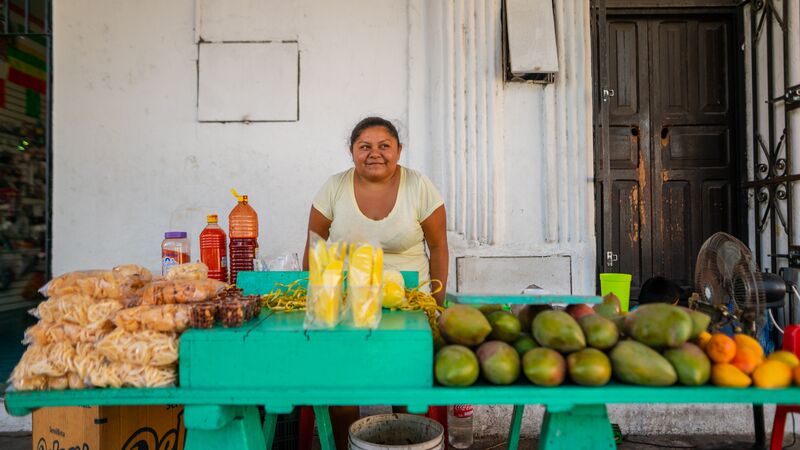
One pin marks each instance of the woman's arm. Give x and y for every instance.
(435, 230)
(318, 224)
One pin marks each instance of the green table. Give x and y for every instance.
(272, 361)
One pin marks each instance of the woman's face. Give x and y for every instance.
(375, 154)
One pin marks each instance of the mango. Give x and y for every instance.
(489, 308)
(659, 325)
(524, 343)
(787, 357)
(456, 365)
(600, 332)
(773, 374)
(579, 310)
(691, 364)
(544, 366)
(612, 300)
(727, 375)
(559, 331)
(700, 321)
(527, 313)
(505, 326)
(607, 311)
(636, 363)
(499, 362)
(589, 367)
(464, 325)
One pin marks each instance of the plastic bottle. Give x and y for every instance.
(175, 249)
(243, 231)
(459, 426)
(213, 249)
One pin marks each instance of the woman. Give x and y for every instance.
(382, 202)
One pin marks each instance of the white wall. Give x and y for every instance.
(131, 160)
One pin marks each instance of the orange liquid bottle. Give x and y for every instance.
(213, 249)
(243, 231)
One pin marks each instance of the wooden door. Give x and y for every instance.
(665, 176)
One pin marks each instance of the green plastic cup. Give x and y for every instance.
(619, 284)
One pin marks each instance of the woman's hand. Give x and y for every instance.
(318, 224)
(435, 230)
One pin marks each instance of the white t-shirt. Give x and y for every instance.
(399, 234)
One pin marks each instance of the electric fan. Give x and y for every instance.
(732, 289)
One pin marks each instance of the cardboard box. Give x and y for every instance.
(109, 428)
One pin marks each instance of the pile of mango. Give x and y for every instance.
(655, 345)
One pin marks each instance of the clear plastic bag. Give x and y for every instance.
(188, 271)
(142, 347)
(43, 332)
(52, 360)
(172, 317)
(364, 284)
(181, 291)
(77, 309)
(325, 304)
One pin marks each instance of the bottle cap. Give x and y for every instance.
(244, 199)
(212, 218)
(175, 235)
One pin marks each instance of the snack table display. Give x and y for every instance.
(224, 373)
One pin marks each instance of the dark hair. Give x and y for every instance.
(370, 122)
(659, 290)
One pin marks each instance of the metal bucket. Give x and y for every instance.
(396, 431)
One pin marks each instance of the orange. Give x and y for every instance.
(788, 357)
(721, 348)
(746, 360)
(729, 376)
(743, 340)
(772, 374)
(796, 373)
(702, 339)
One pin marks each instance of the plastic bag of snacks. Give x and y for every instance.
(142, 347)
(189, 271)
(364, 285)
(43, 332)
(113, 374)
(120, 282)
(76, 308)
(181, 291)
(325, 304)
(171, 317)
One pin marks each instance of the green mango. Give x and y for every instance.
(659, 325)
(505, 326)
(544, 366)
(589, 367)
(607, 311)
(600, 332)
(691, 364)
(559, 331)
(456, 365)
(700, 321)
(636, 363)
(489, 308)
(499, 362)
(527, 313)
(524, 343)
(464, 325)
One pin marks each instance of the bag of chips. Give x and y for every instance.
(170, 317)
(181, 291)
(142, 347)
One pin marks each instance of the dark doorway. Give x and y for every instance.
(667, 165)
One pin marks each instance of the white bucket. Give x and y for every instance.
(396, 431)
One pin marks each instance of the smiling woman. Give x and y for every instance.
(382, 202)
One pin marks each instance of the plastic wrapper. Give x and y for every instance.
(189, 271)
(87, 361)
(120, 282)
(52, 360)
(112, 374)
(181, 291)
(43, 332)
(75, 382)
(325, 305)
(203, 315)
(30, 383)
(142, 347)
(233, 313)
(58, 383)
(365, 285)
(70, 308)
(171, 317)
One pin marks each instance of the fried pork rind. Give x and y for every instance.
(142, 347)
(77, 309)
(181, 291)
(189, 271)
(118, 283)
(170, 317)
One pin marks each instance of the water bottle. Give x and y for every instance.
(459, 426)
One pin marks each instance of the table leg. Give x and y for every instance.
(577, 428)
(324, 428)
(270, 420)
(223, 428)
(516, 427)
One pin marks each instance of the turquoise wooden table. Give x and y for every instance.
(272, 361)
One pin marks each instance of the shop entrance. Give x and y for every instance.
(666, 167)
